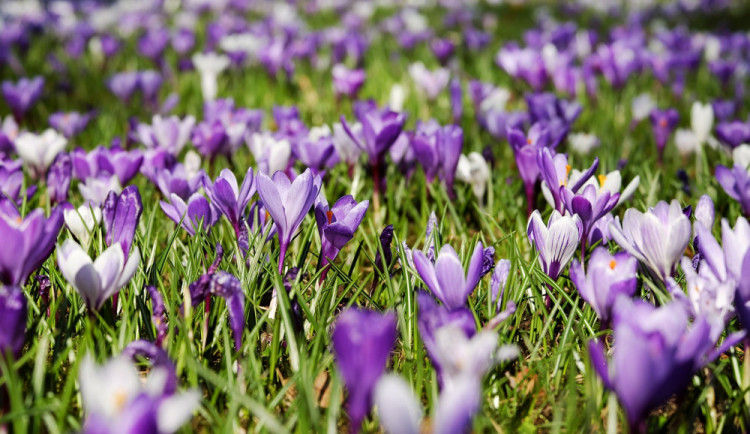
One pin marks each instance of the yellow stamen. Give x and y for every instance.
(120, 399)
(602, 179)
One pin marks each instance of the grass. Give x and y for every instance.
(280, 380)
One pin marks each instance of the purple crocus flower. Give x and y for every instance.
(177, 180)
(210, 139)
(556, 241)
(442, 49)
(227, 286)
(347, 81)
(12, 320)
(230, 198)
(380, 129)
(526, 148)
(438, 150)
(123, 85)
(21, 95)
(336, 226)
(736, 183)
(663, 123)
(69, 124)
(446, 279)
(8, 132)
(11, 179)
(191, 214)
(170, 133)
(317, 153)
(733, 133)
(149, 82)
(158, 314)
(555, 173)
(58, 178)
(33, 239)
(590, 204)
(153, 43)
(287, 202)
(655, 355)
(121, 214)
(457, 105)
(657, 237)
(607, 277)
(104, 162)
(362, 343)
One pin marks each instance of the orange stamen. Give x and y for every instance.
(612, 264)
(329, 214)
(528, 141)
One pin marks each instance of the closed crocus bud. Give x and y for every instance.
(38, 151)
(430, 82)
(583, 143)
(82, 221)
(396, 98)
(58, 178)
(96, 189)
(686, 141)
(13, 319)
(701, 121)
(474, 170)
(398, 407)
(556, 241)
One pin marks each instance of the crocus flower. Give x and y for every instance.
(105, 162)
(380, 129)
(11, 179)
(271, 154)
(446, 279)
(347, 150)
(32, 238)
(362, 342)
(116, 399)
(733, 133)
(210, 139)
(168, 133)
(606, 278)
(12, 320)
(209, 66)
(98, 280)
(701, 121)
(287, 202)
(663, 122)
(230, 198)
(473, 169)
(657, 237)
(347, 81)
(8, 132)
(590, 203)
(336, 225)
(225, 285)
(557, 178)
(69, 124)
(58, 178)
(96, 189)
(430, 82)
(457, 105)
(442, 49)
(641, 107)
(583, 143)
(556, 241)
(123, 84)
(38, 151)
(82, 221)
(525, 149)
(736, 183)
(316, 151)
(398, 408)
(121, 213)
(178, 180)
(438, 149)
(193, 214)
(655, 355)
(20, 96)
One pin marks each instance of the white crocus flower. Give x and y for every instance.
(396, 98)
(209, 66)
(641, 106)
(741, 155)
(611, 182)
(192, 164)
(398, 408)
(686, 141)
(82, 221)
(701, 121)
(271, 154)
(346, 148)
(38, 151)
(96, 189)
(474, 170)
(97, 280)
(430, 82)
(583, 143)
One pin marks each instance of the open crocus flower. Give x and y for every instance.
(168, 133)
(70, 124)
(38, 151)
(657, 237)
(209, 66)
(606, 278)
(347, 81)
(337, 224)
(20, 96)
(590, 204)
(82, 221)
(116, 399)
(655, 355)
(583, 143)
(446, 279)
(229, 197)
(430, 82)
(736, 183)
(287, 202)
(195, 213)
(733, 133)
(362, 343)
(97, 280)
(556, 241)
(96, 189)
(178, 180)
(555, 172)
(32, 239)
